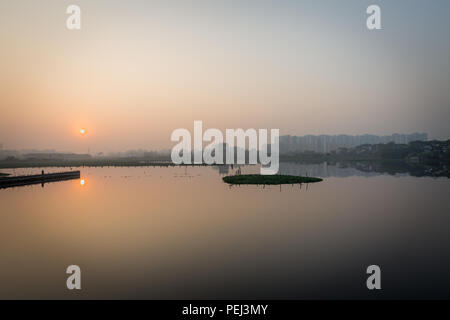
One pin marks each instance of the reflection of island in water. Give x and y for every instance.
(351, 168)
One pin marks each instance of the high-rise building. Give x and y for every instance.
(326, 143)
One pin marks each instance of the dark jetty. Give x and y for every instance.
(6, 182)
(268, 179)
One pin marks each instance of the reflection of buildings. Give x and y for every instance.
(315, 170)
(363, 169)
(325, 143)
(322, 170)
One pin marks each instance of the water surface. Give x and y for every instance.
(155, 233)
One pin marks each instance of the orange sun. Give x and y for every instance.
(82, 131)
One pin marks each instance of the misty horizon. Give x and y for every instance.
(383, 138)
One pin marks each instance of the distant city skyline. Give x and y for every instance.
(316, 143)
(327, 143)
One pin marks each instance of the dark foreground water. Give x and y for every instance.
(182, 233)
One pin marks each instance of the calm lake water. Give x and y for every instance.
(182, 233)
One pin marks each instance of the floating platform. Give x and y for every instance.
(7, 182)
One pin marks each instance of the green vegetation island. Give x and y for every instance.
(268, 179)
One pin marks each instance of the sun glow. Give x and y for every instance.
(82, 131)
(82, 182)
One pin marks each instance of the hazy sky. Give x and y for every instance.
(137, 70)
